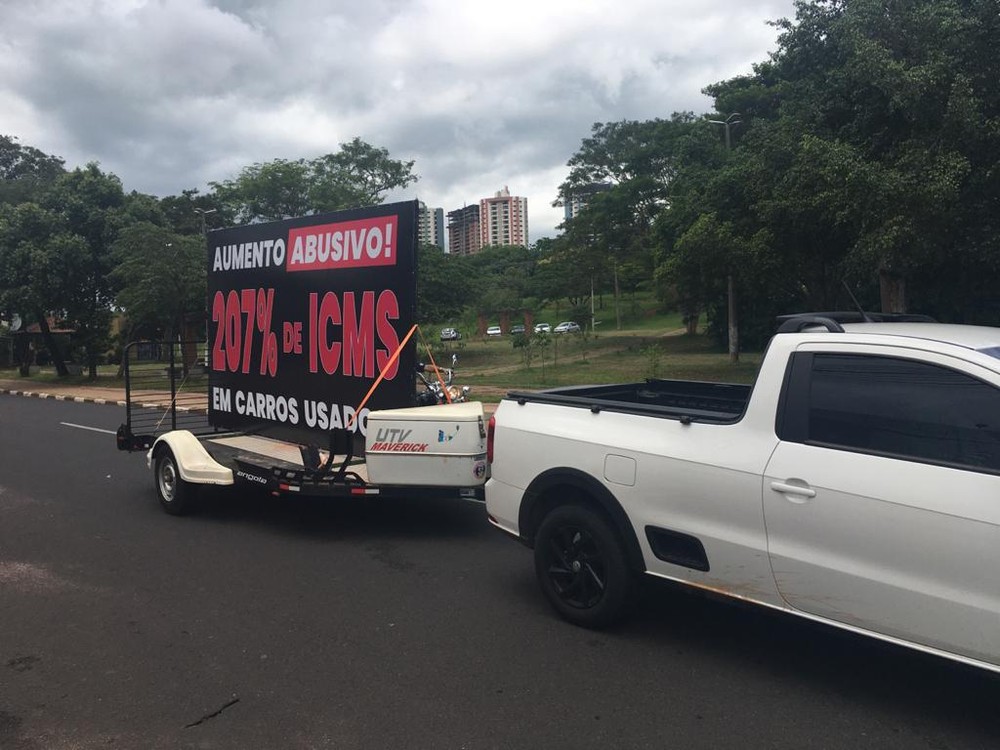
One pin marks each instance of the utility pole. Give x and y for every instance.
(593, 325)
(734, 329)
(203, 212)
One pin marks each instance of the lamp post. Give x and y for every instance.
(203, 212)
(729, 123)
(734, 331)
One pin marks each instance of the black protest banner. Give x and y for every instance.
(304, 314)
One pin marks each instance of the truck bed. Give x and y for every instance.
(676, 399)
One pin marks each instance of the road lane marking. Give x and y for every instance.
(85, 427)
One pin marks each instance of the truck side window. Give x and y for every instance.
(904, 409)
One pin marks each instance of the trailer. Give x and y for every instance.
(305, 381)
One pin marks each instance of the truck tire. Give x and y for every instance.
(581, 567)
(177, 497)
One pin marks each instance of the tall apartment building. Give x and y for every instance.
(503, 219)
(430, 225)
(574, 201)
(463, 231)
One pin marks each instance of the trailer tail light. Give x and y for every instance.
(490, 434)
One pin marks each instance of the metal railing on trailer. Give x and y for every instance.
(166, 388)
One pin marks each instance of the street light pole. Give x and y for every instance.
(734, 330)
(203, 213)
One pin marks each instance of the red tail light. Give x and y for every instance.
(490, 434)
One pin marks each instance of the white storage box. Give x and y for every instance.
(428, 446)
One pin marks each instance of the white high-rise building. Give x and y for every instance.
(430, 225)
(578, 198)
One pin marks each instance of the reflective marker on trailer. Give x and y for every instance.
(364, 491)
(288, 488)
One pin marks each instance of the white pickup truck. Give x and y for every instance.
(856, 483)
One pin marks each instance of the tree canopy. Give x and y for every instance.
(75, 247)
(867, 155)
(359, 174)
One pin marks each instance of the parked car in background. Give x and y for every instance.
(517, 330)
(542, 328)
(494, 331)
(450, 334)
(567, 326)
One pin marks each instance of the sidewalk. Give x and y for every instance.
(63, 391)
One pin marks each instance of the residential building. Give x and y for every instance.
(463, 231)
(430, 225)
(503, 219)
(575, 200)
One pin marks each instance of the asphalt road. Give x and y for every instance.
(305, 624)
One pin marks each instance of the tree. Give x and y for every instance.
(503, 278)
(91, 206)
(445, 285)
(56, 260)
(161, 276)
(871, 149)
(267, 192)
(24, 169)
(609, 244)
(192, 213)
(28, 237)
(357, 175)
(38, 259)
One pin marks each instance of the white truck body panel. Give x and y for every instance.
(900, 548)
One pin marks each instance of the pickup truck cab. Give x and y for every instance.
(855, 483)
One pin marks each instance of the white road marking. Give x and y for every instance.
(85, 427)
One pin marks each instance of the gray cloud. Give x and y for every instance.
(172, 95)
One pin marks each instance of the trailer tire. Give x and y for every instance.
(582, 568)
(177, 496)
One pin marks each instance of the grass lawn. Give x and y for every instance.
(649, 344)
(574, 360)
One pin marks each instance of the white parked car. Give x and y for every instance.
(567, 326)
(856, 483)
(542, 328)
(494, 331)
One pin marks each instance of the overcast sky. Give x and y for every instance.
(172, 94)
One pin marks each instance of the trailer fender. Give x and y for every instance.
(193, 462)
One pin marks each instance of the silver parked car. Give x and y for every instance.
(567, 326)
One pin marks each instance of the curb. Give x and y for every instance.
(62, 397)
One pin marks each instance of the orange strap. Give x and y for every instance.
(437, 371)
(380, 378)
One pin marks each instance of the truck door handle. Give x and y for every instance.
(792, 489)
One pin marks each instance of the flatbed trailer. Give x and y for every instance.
(308, 355)
(166, 416)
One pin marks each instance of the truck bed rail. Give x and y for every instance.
(678, 399)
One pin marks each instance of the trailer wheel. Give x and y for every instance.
(176, 496)
(581, 567)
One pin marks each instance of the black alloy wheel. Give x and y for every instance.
(581, 567)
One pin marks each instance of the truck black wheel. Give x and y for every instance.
(581, 566)
(176, 496)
